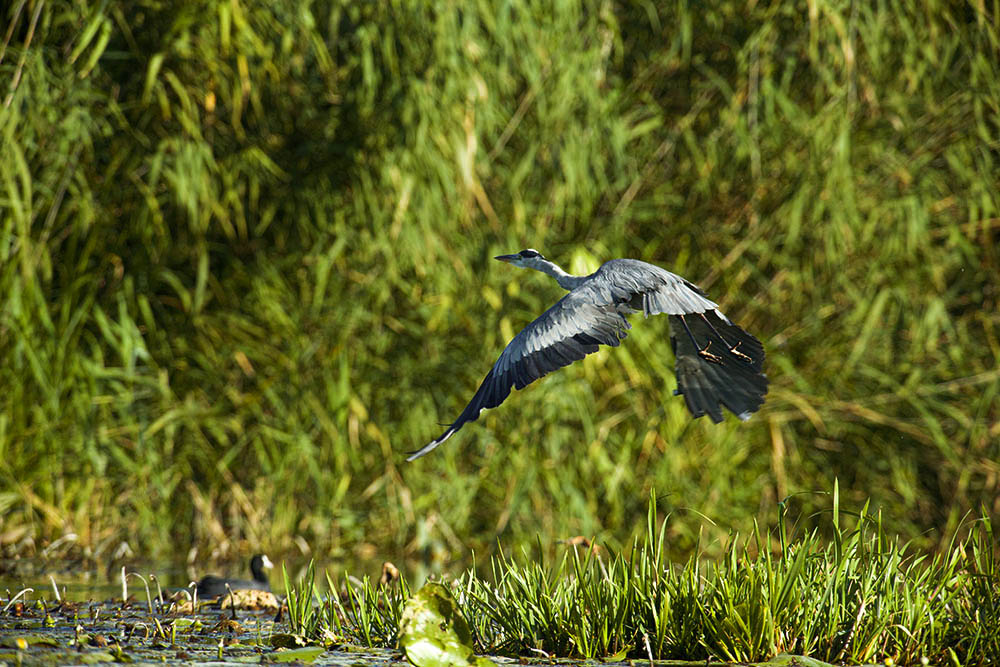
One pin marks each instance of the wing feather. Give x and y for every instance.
(568, 331)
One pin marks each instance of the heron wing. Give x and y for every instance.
(568, 331)
(649, 288)
(730, 375)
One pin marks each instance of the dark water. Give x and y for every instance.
(37, 630)
(76, 581)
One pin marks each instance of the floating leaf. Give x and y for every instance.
(92, 658)
(286, 640)
(305, 654)
(24, 641)
(433, 632)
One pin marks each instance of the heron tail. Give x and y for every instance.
(413, 456)
(717, 364)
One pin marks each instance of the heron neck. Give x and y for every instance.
(566, 281)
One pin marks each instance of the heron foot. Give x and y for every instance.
(705, 354)
(739, 355)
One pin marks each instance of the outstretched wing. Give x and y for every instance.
(716, 362)
(568, 331)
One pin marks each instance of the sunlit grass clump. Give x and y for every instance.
(860, 597)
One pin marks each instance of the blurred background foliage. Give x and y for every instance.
(245, 265)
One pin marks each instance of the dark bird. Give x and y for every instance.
(212, 586)
(716, 362)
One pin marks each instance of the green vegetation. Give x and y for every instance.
(245, 265)
(863, 598)
(45, 631)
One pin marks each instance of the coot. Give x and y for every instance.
(212, 586)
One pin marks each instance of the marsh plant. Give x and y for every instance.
(860, 596)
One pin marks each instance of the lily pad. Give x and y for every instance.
(305, 654)
(24, 641)
(285, 640)
(433, 632)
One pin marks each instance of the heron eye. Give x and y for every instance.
(529, 253)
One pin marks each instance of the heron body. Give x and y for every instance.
(716, 362)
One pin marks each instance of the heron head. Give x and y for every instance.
(525, 259)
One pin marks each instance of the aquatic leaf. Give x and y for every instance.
(305, 654)
(617, 657)
(23, 641)
(433, 632)
(120, 655)
(287, 640)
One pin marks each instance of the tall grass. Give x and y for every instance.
(245, 265)
(861, 597)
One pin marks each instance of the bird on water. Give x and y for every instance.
(212, 586)
(716, 362)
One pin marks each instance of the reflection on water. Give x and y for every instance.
(76, 582)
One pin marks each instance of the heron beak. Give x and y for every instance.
(507, 258)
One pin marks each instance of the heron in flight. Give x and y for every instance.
(716, 362)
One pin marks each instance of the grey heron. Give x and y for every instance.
(716, 362)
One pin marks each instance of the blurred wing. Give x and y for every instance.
(568, 331)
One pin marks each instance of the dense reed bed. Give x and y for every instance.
(245, 264)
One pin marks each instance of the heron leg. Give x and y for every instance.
(702, 351)
(733, 349)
